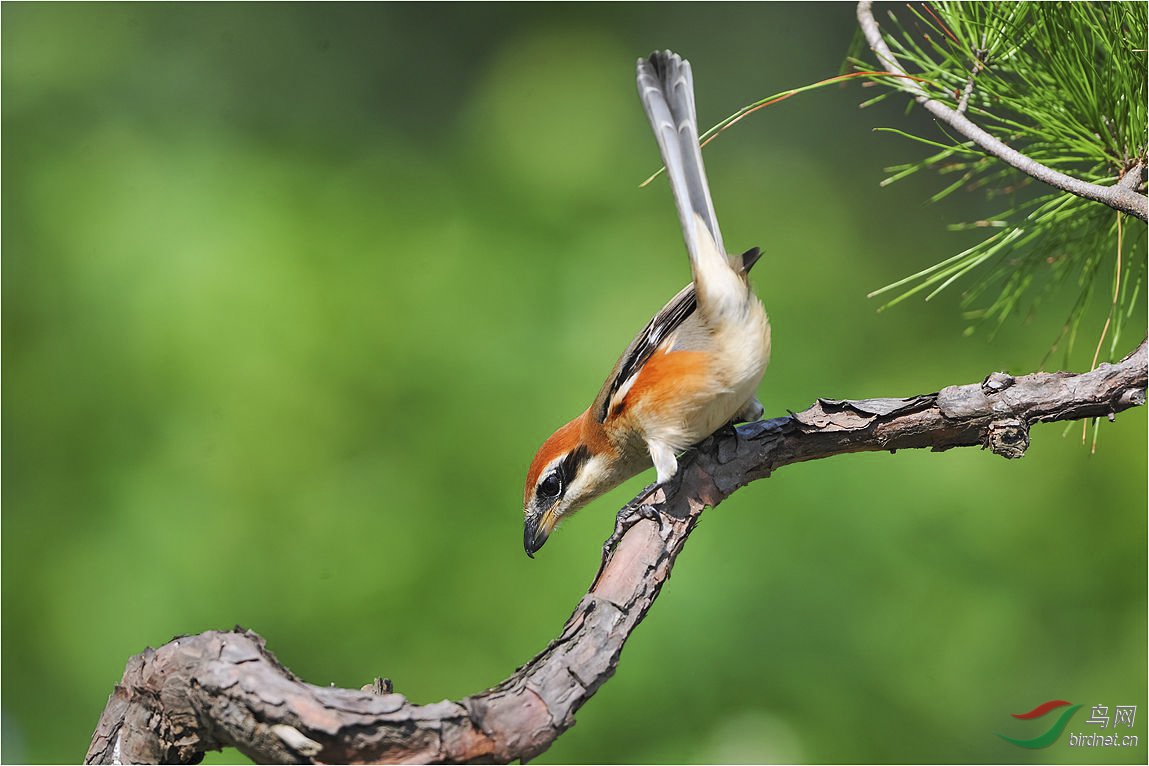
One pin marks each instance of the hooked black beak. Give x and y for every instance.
(536, 530)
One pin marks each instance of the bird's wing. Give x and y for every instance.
(657, 330)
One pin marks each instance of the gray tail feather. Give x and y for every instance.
(666, 87)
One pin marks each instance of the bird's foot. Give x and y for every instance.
(751, 411)
(630, 515)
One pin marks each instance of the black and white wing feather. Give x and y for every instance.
(656, 332)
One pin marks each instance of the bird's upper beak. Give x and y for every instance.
(536, 529)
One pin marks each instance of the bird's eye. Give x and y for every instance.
(550, 486)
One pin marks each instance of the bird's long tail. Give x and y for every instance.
(666, 86)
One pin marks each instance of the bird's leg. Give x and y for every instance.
(665, 463)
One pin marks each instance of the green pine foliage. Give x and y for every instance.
(1065, 84)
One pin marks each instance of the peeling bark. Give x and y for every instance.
(216, 689)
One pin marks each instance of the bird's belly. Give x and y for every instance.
(700, 416)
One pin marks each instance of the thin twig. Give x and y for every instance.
(715, 131)
(978, 65)
(1117, 197)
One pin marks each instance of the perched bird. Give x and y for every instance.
(695, 367)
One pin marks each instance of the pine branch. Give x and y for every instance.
(1118, 197)
(1134, 177)
(219, 689)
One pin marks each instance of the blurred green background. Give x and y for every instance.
(291, 294)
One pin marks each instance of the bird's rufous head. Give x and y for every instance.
(564, 476)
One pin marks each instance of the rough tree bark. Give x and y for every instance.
(219, 689)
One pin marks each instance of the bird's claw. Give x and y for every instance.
(630, 515)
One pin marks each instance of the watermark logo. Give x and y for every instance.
(1099, 717)
(1052, 733)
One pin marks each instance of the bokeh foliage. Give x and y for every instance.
(292, 293)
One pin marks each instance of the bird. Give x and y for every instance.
(694, 368)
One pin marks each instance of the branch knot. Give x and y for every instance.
(1008, 437)
(996, 382)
